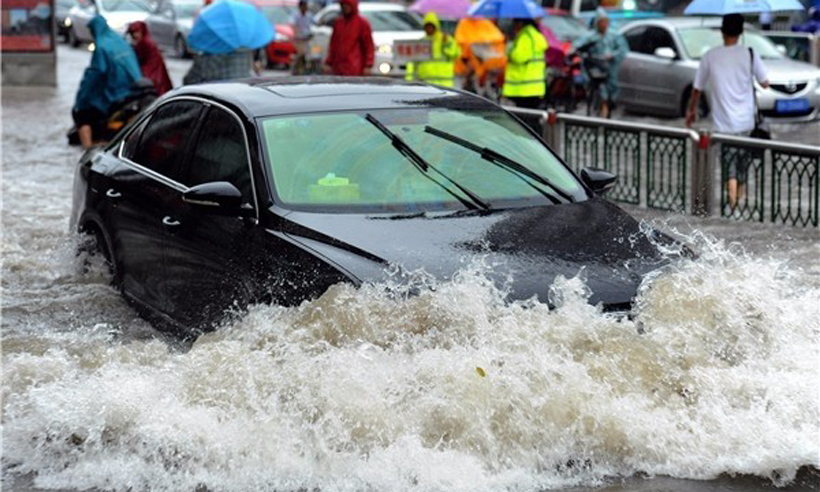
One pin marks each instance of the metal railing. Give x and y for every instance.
(780, 181)
(676, 169)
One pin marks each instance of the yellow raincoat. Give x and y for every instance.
(440, 69)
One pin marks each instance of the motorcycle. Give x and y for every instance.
(143, 94)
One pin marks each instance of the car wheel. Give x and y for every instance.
(94, 245)
(73, 40)
(703, 104)
(181, 47)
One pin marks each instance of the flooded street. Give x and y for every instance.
(713, 386)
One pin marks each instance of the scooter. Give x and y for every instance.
(143, 94)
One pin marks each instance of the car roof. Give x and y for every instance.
(678, 22)
(277, 96)
(371, 7)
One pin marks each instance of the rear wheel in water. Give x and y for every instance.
(94, 246)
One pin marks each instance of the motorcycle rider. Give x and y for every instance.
(106, 81)
(440, 69)
(609, 49)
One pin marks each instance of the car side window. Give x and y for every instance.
(329, 18)
(657, 37)
(221, 154)
(163, 143)
(132, 141)
(565, 5)
(634, 38)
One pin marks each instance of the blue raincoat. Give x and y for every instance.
(609, 43)
(113, 69)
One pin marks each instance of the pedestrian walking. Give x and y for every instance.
(607, 48)
(107, 80)
(302, 33)
(728, 72)
(351, 45)
(149, 57)
(440, 68)
(524, 76)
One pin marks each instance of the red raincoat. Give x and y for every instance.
(151, 63)
(351, 45)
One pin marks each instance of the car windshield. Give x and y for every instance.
(565, 28)
(187, 10)
(342, 162)
(386, 20)
(124, 6)
(697, 41)
(279, 14)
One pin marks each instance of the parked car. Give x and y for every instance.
(118, 13)
(280, 13)
(620, 12)
(389, 21)
(273, 190)
(171, 21)
(658, 72)
(61, 18)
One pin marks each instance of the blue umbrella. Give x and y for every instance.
(230, 25)
(723, 7)
(507, 9)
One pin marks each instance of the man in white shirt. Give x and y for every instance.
(302, 23)
(727, 71)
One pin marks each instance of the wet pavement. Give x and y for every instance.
(718, 391)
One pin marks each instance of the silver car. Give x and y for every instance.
(171, 21)
(389, 22)
(118, 13)
(657, 74)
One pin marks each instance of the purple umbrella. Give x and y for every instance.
(446, 9)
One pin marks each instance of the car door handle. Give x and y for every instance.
(112, 193)
(170, 221)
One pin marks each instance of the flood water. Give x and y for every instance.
(715, 385)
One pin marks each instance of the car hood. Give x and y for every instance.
(119, 21)
(786, 70)
(530, 246)
(387, 37)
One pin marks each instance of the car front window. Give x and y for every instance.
(187, 10)
(340, 162)
(697, 41)
(279, 14)
(124, 6)
(393, 21)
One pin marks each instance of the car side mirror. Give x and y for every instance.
(217, 197)
(666, 52)
(598, 180)
(782, 49)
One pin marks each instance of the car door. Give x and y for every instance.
(161, 24)
(628, 75)
(143, 191)
(211, 258)
(654, 75)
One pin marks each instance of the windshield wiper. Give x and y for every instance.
(505, 163)
(424, 167)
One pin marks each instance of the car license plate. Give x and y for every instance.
(791, 105)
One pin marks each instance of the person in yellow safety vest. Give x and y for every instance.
(524, 75)
(440, 69)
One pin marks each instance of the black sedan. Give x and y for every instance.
(227, 194)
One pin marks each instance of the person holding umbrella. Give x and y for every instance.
(524, 75)
(223, 38)
(440, 69)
